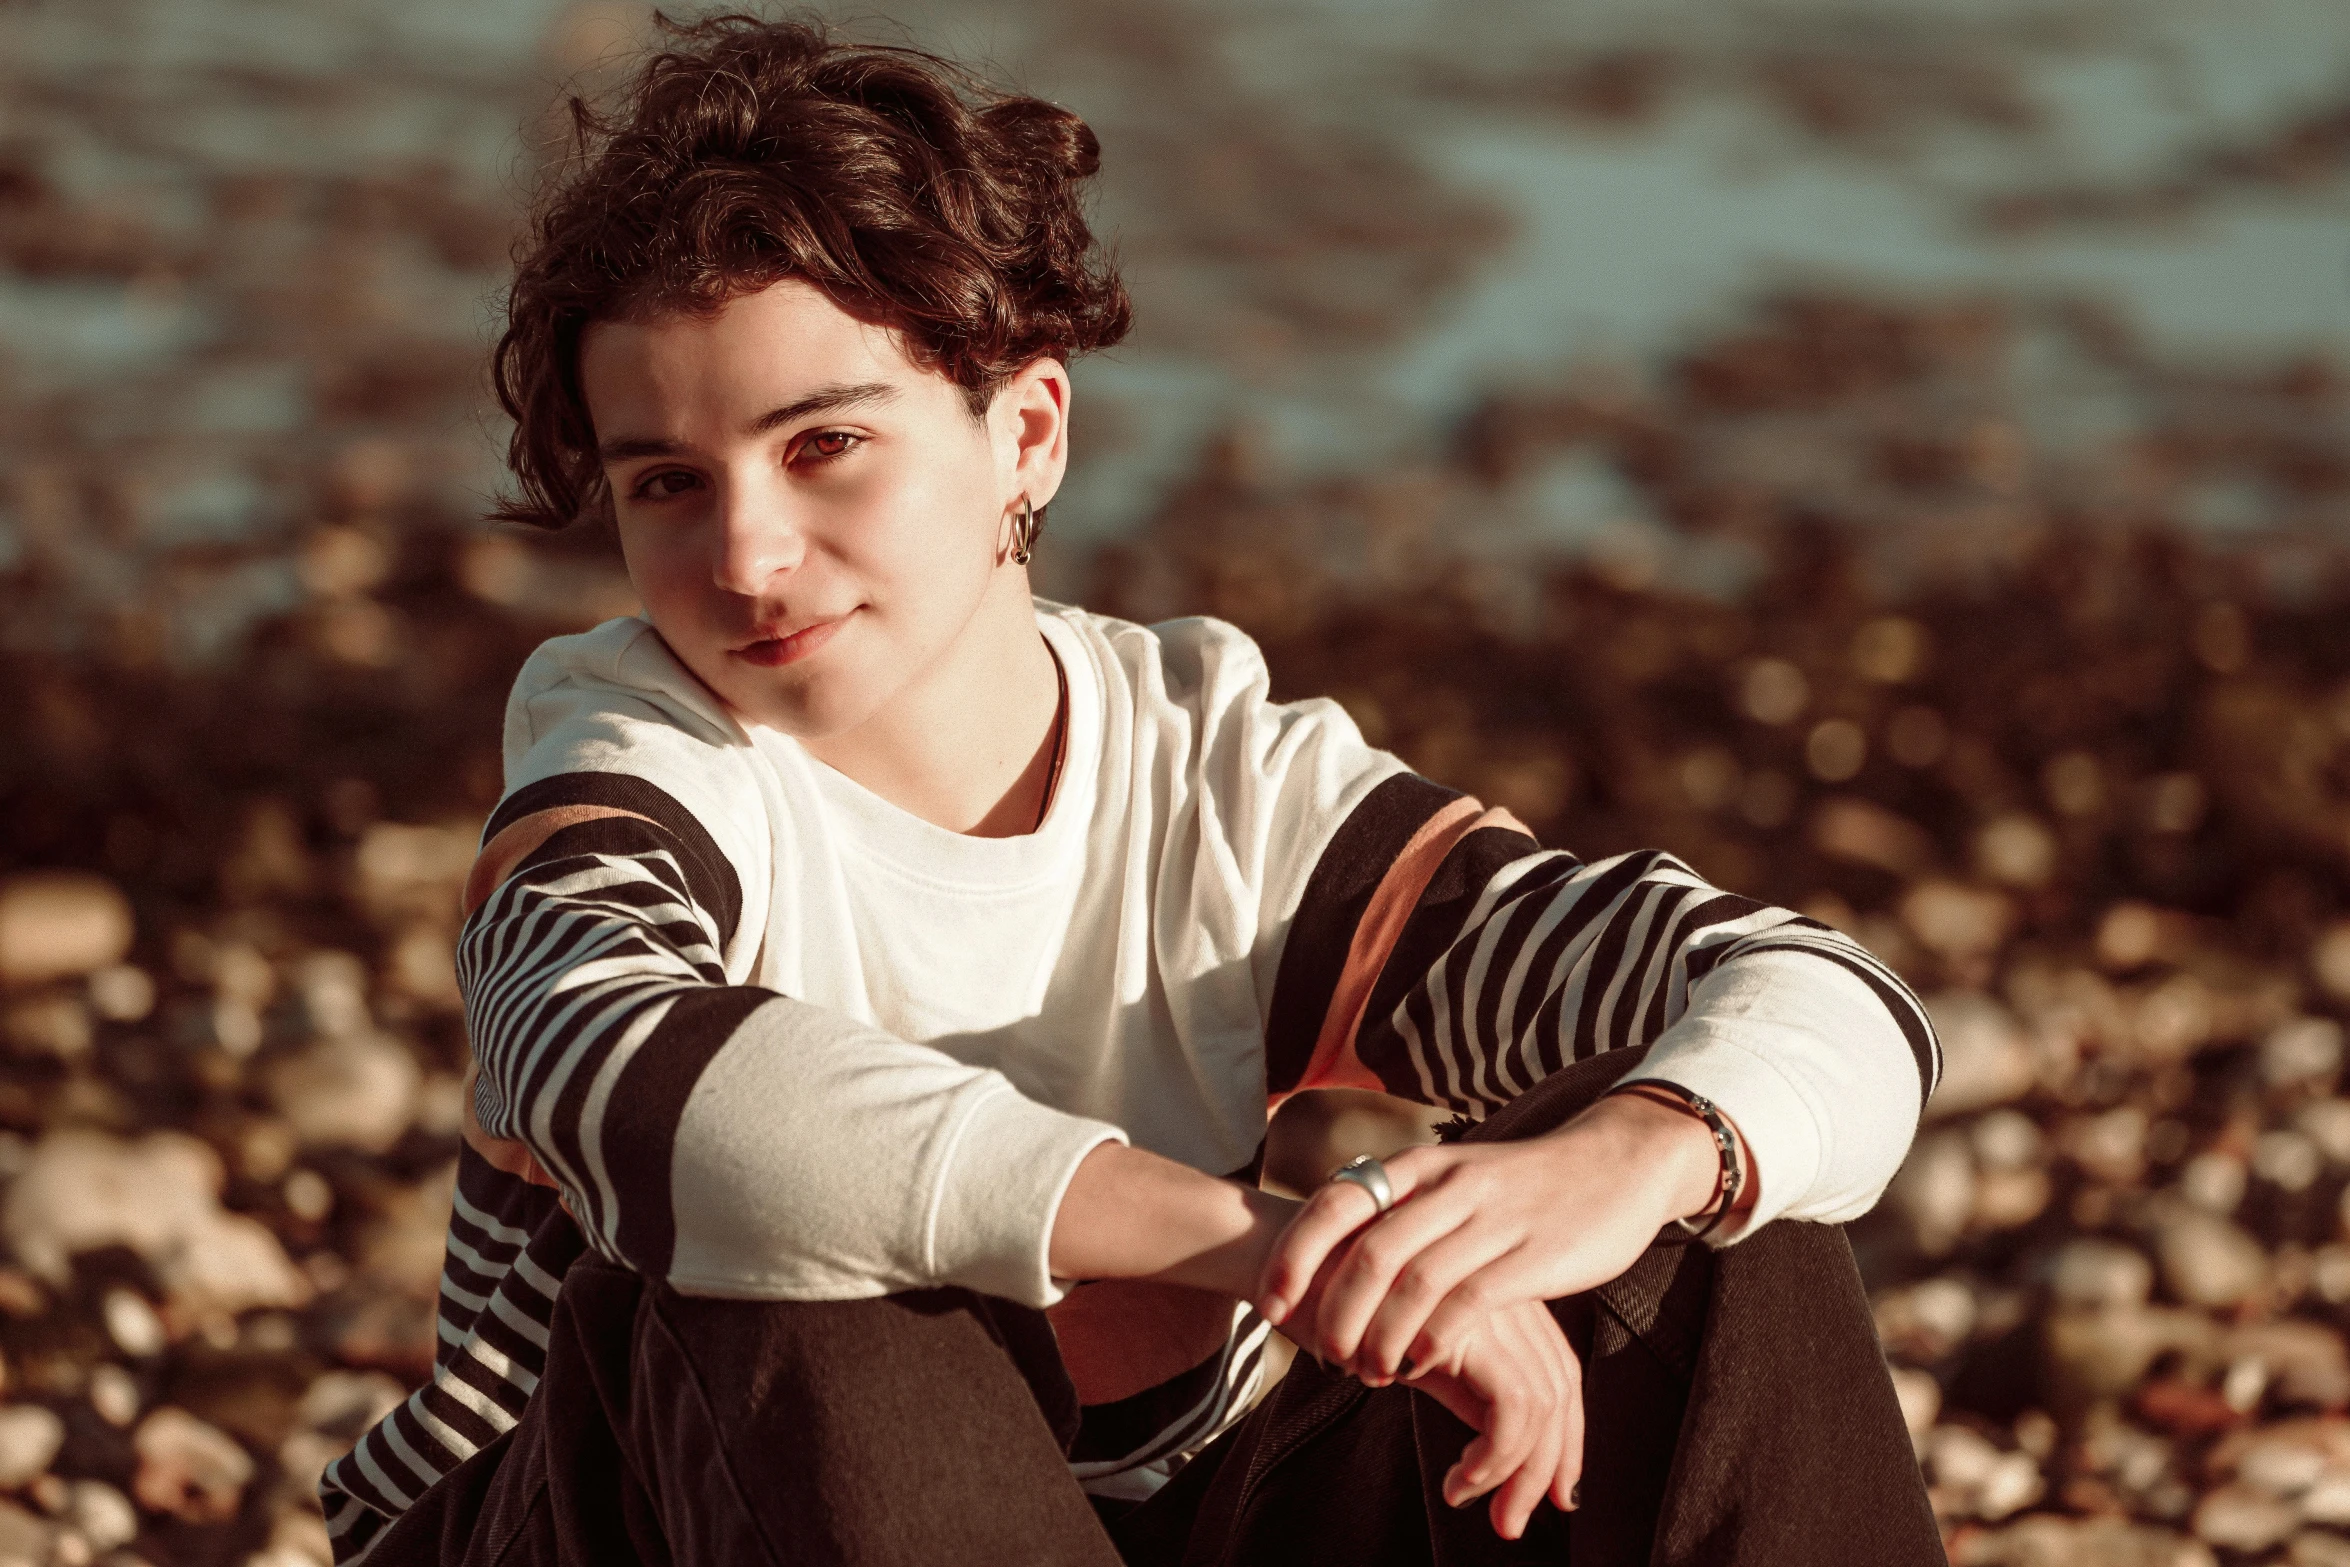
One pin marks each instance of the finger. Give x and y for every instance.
(1566, 1490)
(1464, 1311)
(1509, 1433)
(1521, 1489)
(1519, 1494)
(1531, 1483)
(1360, 1284)
(1326, 1220)
(1459, 1490)
(1418, 1288)
(1330, 1215)
(1541, 1405)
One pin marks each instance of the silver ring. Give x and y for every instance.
(1368, 1173)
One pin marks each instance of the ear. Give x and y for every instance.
(1029, 424)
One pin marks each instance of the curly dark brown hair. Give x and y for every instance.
(750, 151)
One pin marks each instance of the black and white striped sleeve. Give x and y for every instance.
(509, 1245)
(726, 1138)
(1441, 954)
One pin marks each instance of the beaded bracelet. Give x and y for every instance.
(1732, 1181)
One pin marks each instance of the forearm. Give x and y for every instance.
(1814, 1069)
(1130, 1214)
(729, 1140)
(1666, 1152)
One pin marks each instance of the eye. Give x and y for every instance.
(825, 445)
(663, 483)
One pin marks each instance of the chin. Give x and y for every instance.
(812, 714)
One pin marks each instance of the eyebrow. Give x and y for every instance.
(825, 399)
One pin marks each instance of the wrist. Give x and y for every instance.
(1129, 1214)
(1236, 1242)
(1670, 1152)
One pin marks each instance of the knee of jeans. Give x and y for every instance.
(890, 1350)
(846, 1337)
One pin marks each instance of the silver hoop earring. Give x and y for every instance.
(1025, 529)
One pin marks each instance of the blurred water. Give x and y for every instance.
(247, 234)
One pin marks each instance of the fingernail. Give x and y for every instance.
(1275, 1310)
(1575, 1494)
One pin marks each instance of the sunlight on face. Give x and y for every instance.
(810, 518)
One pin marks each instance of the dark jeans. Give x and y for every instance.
(1738, 1411)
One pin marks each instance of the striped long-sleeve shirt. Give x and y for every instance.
(775, 1038)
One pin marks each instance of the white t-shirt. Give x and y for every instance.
(777, 1038)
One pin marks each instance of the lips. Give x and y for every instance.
(773, 652)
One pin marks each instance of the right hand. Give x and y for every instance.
(1513, 1378)
(1518, 1383)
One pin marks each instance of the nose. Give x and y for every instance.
(757, 538)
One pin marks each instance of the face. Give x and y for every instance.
(811, 519)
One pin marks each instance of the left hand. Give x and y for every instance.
(1483, 1226)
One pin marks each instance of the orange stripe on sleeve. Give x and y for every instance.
(512, 846)
(1334, 1063)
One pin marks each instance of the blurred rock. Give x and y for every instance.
(2110, 1147)
(297, 1539)
(1920, 1397)
(1957, 921)
(2305, 1050)
(101, 1514)
(2304, 1362)
(2316, 1548)
(29, 1439)
(1927, 1320)
(189, 1469)
(2240, 1518)
(2329, 959)
(388, 1330)
(2007, 1140)
(2207, 1261)
(2016, 851)
(404, 1249)
(345, 1403)
(60, 925)
(114, 1393)
(414, 873)
(160, 1197)
(2046, 1540)
(2214, 1181)
(50, 1025)
(2092, 1273)
(1866, 834)
(349, 1089)
(2174, 1019)
(1972, 1478)
(133, 1325)
(121, 993)
(27, 1540)
(1986, 1059)
(2103, 1353)
(2326, 1122)
(1934, 1194)
(332, 989)
(2288, 1459)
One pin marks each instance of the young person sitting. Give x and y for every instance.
(866, 952)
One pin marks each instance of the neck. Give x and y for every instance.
(968, 744)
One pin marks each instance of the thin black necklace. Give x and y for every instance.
(1052, 776)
